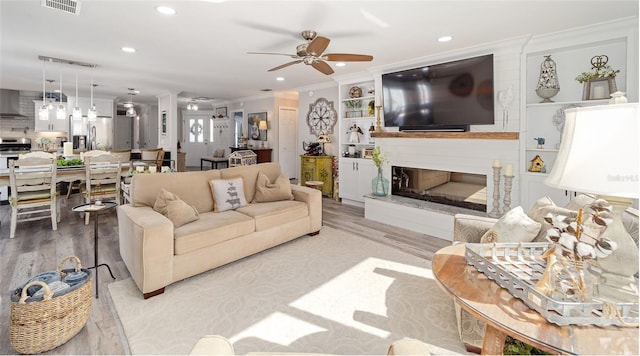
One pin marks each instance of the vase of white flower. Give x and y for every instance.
(379, 184)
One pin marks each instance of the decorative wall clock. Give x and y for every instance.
(322, 117)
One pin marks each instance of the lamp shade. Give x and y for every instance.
(599, 151)
(262, 125)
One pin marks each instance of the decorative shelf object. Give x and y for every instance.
(519, 266)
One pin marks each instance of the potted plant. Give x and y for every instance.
(353, 107)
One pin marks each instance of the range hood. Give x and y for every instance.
(10, 103)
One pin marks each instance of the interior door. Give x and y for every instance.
(197, 130)
(124, 132)
(287, 140)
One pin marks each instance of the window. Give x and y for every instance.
(196, 130)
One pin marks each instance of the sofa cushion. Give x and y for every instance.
(514, 226)
(175, 209)
(250, 175)
(187, 185)
(274, 214)
(266, 191)
(210, 229)
(228, 194)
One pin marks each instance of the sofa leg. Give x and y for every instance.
(314, 233)
(154, 293)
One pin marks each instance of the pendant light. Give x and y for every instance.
(43, 113)
(50, 105)
(61, 112)
(77, 112)
(93, 111)
(131, 111)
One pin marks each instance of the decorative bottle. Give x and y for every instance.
(379, 185)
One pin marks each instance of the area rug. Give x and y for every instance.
(333, 293)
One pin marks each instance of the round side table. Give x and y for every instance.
(96, 210)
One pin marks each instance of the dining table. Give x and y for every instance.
(68, 174)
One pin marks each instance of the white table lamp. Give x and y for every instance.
(262, 126)
(600, 154)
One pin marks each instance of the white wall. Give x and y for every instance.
(308, 96)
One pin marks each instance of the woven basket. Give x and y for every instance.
(44, 325)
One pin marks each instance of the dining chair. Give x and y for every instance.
(78, 183)
(102, 180)
(152, 156)
(32, 178)
(123, 154)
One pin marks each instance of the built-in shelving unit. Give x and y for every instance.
(356, 171)
(572, 53)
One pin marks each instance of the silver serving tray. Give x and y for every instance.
(517, 267)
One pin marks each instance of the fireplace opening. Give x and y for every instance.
(465, 190)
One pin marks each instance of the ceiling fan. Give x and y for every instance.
(310, 53)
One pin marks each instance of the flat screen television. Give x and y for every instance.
(443, 97)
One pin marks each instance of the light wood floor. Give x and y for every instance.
(36, 248)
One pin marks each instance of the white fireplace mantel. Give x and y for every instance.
(461, 152)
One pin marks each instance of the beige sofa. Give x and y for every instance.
(219, 345)
(470, 229)
(158, 254)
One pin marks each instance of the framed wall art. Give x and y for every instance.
(221, 112)
(163, 123)
(254, 123)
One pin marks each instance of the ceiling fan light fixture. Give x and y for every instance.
(311, 53)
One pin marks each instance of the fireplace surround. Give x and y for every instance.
(465, 190)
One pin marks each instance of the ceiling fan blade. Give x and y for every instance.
(348, 57)
(285, 65)
(318, 45)
(275, 54)
(322, 67)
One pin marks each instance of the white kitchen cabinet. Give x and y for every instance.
(53, 124)
(355, 178)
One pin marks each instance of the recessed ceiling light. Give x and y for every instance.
(340, 64)
(445, 39)
(166, 10)
(128, 49)
(280, 79)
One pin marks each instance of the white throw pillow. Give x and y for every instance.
(514, 226)
(228, 194)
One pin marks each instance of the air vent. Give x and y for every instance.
(68, 6)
